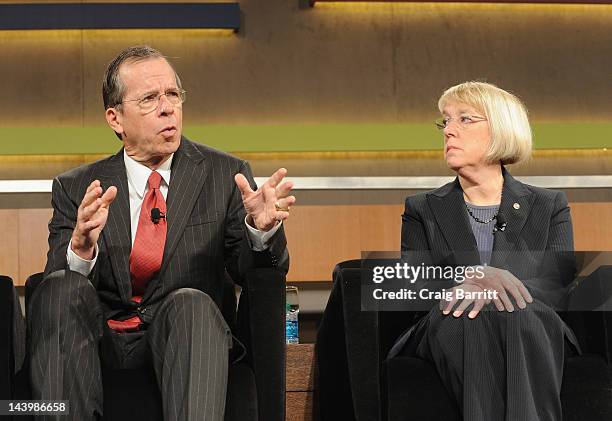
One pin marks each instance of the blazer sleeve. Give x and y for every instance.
(558, 267)
(416, 251)
(413, 229)
(61, 226)
(561, 234)
(560, 245)
(415, 246)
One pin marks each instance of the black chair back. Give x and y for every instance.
(7, 363)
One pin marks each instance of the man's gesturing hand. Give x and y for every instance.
(91, 219)
(270, 203)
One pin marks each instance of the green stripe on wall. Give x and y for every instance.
(292, 138)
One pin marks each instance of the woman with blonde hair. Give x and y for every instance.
(500, 357)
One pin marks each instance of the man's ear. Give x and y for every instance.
(114, 119)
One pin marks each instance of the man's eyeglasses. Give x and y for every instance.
(151, 101)
(464, 121)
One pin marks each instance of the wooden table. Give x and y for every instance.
(300, 382)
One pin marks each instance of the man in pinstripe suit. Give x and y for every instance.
(138, 248)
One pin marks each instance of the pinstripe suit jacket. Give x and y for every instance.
(537, 245)
(206, 233)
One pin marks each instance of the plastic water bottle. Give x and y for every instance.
(292, 309)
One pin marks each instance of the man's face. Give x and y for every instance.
(148, 137)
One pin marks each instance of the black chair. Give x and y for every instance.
(256, 384)
(7, 358)
(404, 388)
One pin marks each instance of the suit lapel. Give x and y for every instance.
(515, 206)
(454, 226)
(117, 232)
(189, 172)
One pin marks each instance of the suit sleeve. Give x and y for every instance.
(560, 245)
(416, 251)
(239, 255)
(61, 226)
(560, 236)
(558, 267)
(413, 230)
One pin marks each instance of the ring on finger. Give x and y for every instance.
(279, 208)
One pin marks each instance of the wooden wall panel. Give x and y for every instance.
(33, 234)
(319, 237)
(380, 227)
(592, 226)
(9, 252)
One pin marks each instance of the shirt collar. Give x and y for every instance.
(138, 174)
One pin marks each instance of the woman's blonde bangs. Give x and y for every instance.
(511, 139)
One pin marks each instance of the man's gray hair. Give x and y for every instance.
(112, 86)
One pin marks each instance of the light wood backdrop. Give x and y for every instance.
(318, 236)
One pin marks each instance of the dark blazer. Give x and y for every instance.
(536, 246)
(206, 230)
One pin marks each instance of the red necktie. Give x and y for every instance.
(148, 248)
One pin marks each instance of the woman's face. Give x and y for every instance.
(466, 136)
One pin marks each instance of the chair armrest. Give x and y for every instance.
(367, 338)
(592, 292)
(7, 361)
(590, 311)
(261, 328)
(30, 286)
(348, 351)
(12, 337)
(362, 338)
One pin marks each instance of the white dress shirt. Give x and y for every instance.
(138, 176)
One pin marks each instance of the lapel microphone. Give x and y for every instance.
(500, 224)
(156, 215)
